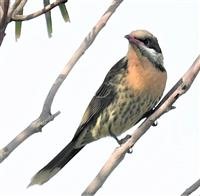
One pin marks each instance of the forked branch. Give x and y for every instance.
(10, 12)
(16, 17)
(46, 115)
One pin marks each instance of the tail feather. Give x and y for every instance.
(55, 165)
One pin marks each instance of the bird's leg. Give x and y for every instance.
(149, 113)
(114, 136)
(122, 141)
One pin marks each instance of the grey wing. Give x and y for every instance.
(103, 97)
(99, 102)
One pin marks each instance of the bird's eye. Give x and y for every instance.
(147, 42)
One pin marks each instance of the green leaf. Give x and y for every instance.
(48, 19)
(64, 12)
(18, 27)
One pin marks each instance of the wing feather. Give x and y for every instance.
(103, 97)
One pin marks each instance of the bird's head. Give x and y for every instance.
(147, 45)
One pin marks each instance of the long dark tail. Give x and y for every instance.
(55, 165)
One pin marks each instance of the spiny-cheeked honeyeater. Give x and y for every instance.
(130, 90)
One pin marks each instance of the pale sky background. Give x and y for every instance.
(163, 163)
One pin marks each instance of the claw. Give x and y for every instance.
(123, 140)
(130, 150)
(155, 124)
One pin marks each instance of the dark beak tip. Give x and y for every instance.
(127, 37)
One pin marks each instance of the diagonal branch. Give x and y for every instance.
(165, 105)
(16, 17)
(79, 52)
(191, 189)
(4, 5)
(13, 7)
(46, 115)
(18, 7)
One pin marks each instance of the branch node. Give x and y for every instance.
(169, 108)
(172, 107)
(48, 118)
(16, 17)
(56, 114)
(184, 86)
(176, 96)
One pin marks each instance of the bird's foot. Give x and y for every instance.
(121, 141)
(155, 123)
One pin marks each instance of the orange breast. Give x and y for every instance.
(143, 76)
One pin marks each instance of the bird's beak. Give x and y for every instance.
(128, 37)
(131, 39)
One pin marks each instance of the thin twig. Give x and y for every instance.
(16, 17)
(9, 13)
(46, 115)
(165, 105)
(191, 189)
(34, 127)
(19, 7)
(79, 52)
(13, 7)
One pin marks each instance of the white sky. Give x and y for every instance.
(164, 162)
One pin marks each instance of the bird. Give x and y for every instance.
(130, 91)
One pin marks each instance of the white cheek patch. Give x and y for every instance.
(152, 54)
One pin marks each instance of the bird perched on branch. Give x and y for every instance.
(129, 92)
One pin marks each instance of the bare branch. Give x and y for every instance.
(47, 8)
(34, 127)
(19, 7)
(13, 7)
(46, 115)
(191, 189)
(165, 105)
(4, 5)
(79, 52)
